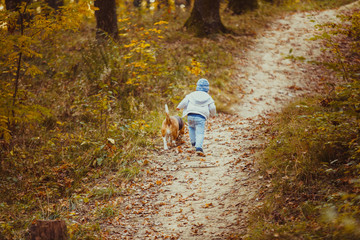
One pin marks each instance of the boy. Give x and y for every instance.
(198, 107)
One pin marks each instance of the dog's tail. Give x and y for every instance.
(168, 121)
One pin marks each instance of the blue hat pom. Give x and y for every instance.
(202, 85)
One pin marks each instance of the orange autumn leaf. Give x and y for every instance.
(208, 205)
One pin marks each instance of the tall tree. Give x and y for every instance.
(12, 5)
(205, 18)
(137, 3)
(55, 4)
(241, 6)
(106, 19)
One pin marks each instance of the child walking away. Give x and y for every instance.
(198, 107)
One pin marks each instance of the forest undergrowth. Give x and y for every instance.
(74, 111)
(313, 159)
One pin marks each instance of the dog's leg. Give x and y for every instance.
(174, 137)
(170, 141)
(179, 136)
(165, 143)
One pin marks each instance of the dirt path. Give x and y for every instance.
(189, 197)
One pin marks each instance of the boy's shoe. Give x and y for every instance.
(200, 152)
(193, 144)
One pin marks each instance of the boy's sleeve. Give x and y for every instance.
(183, 103)
(212, 109)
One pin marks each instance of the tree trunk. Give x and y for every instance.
(55, 4)
(137, 3)
(48, 230)
(241, 6)
(12, 5)
(186, 3)
(106, 19)
(205, 18)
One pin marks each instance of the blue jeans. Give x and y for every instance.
(196, 129)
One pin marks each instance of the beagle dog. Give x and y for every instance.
(172, 128)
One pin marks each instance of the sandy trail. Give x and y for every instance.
(190, 197)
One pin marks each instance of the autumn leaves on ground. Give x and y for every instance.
(80, 138)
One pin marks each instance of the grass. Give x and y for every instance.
(79, 121)
(309, 169)
(105, 193)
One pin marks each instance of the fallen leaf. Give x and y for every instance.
(208, 205)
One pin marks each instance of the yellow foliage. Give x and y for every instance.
(20, 48)
(4, 128)
(132, 44)
(123, 20)
(195, 68)
(139, 125)
(161, 23)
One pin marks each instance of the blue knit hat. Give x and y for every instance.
(202, 85)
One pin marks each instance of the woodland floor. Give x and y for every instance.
(183, 196)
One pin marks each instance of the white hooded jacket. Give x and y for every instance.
(198, 102)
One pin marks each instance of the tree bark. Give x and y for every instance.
(106, 19)
(241, 6)
(205, 18)
(186, 3)
(12, 5)
(137, 3)
(55, 4)
(48, 230)
(273, 1)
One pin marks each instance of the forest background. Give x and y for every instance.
(78, 103)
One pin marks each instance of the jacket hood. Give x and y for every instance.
(200, 98)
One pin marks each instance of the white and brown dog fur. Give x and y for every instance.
(172, 128)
